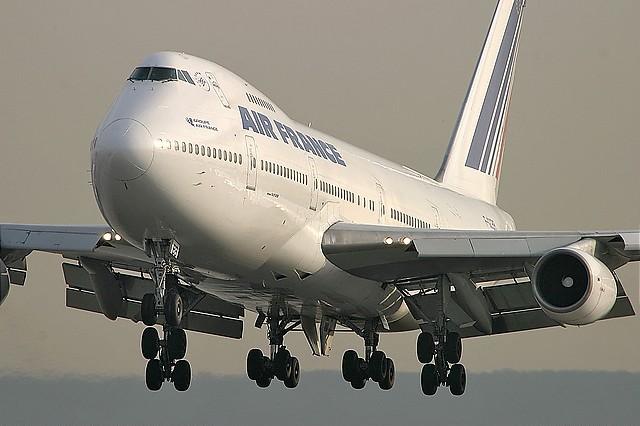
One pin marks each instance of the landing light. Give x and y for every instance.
(118, 237)
(406, 241)
(107, 236)
(388, 240)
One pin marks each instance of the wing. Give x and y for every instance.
(105, 274)
(497, 264)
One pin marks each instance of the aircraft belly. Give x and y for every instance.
(330, 291)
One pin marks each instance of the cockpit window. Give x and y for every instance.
(140, 73)
(188, 77)
(154, 74)
(161, 73)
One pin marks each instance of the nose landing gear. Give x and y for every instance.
(164, 355)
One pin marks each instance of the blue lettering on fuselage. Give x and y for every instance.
(261, 124)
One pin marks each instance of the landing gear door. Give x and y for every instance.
(313, 181)
(252, 164)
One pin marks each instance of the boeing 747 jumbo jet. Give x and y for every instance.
(216, 202)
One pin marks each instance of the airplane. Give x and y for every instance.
(216, 202)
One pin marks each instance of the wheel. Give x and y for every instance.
(358, 382)
(377, 366)
(177, 343)
(292, 380)
(282, 364)
(148, 309)
(153, 375)
(389, 375)
(255, 364)
(429, 379)
(150, 343)
(181, 375)
(349, 365)
(425, 347)
(264, 381)
(457, 379)
(173, 308)
(453, 348)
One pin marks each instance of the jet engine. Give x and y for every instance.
(4, 281)
(573, 287)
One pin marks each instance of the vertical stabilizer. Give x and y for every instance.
(474, 157)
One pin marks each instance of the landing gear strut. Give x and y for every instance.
(280, 364)
(164, 354)
(375, 366)
(445, 348)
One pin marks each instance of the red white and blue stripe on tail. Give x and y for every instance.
(486, 146)
(474, 157)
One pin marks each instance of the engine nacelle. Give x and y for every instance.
(4, 282)
(573, 287)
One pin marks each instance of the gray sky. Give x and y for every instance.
(386, 76)
(549, 398)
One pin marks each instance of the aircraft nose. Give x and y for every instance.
(125, 149)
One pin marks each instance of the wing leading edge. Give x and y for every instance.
(115, 293)
(488, 291)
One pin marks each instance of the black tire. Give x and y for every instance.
(389, 375)
(177, 343)
(150, 343)
(377, 366)
(282, 364)
(457, 379)
(181, 375)
(173, 308)
(264, 381)
(148, 310)
(255, 364)
(153, 375)
(292, 380)
(429, 379)
(349, 365)
(358, 382)
(425, 347)
(453, 348)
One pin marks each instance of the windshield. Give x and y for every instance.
(154, 74)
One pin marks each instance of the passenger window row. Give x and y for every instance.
(345, 194)
(258, 101)
(283, 171)
(409, 220)
(203, 151)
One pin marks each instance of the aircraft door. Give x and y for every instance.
(313, 181)
(252, 163)
(382, 208)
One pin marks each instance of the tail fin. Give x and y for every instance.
(474, 156)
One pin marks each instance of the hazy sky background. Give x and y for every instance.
(386, 76)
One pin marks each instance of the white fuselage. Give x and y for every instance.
(250, 223)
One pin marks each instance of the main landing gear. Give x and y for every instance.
(165, 354)
(446, 370)
(375, 366)
(280, 364)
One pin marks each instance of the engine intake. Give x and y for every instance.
(573, 287)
